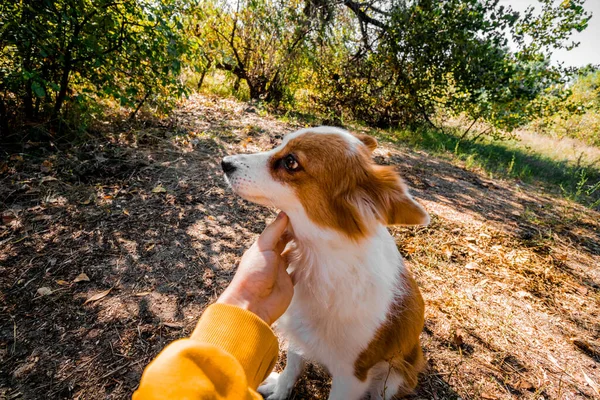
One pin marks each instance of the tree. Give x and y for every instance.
(417, 57)
(262, 42)
(58, 51)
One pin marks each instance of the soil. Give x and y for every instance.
(112, 249)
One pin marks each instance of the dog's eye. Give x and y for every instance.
(290, 163)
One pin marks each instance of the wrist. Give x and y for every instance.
(245, 302)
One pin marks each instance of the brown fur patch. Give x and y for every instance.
(368, 141)
(394, 204)
(397, 340)
(330, 172)
(339, 186)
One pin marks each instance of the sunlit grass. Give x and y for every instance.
(564, 166)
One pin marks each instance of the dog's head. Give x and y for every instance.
(328, 174)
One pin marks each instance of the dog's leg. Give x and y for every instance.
(279, 386)
(347, 387)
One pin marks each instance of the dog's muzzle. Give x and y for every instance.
(228, 166)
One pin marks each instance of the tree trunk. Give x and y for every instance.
(134, 113)
(254, 90)
(258, 88)
(64, 86)
(201, 80)
(28, 101)
(3, 119)
(464, 135)
(204, 72)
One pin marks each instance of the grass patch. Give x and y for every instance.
(575, 180)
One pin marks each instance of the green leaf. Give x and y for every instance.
(38, 90)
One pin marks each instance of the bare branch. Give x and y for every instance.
(362, 15)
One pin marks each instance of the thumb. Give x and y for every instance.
(270, 237)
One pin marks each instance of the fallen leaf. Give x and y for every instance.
(159, 189)
(107, 197)
(16, 157)
(488, 396)
(561, 257)
(471, 239)
(141, 294)
(46, 166)
(555, 362)
(409, 249)
(592, 384)
(97, 296)
(173, 324)
(8, 217)
(48, 179)
(524, 295)
(471, 265)
(125, 211)
(482, 283)
(447, 252)
(82, 277)
(44, 291)
(474, 248)
(457, 339)
(524, 385)
(62, 283)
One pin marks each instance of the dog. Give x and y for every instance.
(356, 308)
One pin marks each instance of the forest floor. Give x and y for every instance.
(112, 250)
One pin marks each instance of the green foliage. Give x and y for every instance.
(578, 116)
(424, 57)
(263, 43)
(73, 52)
(430, 54)
(384, 62)
(507, 158)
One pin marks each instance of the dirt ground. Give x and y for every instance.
(112, 250)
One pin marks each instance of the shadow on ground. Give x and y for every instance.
(147, 217)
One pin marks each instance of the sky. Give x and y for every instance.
(589, 47)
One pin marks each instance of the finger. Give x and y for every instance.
(270, 237)
(285, 239)
(284, 275)
(286, 256)
(294, 275)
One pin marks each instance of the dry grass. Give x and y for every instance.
(566, 149)
(510, 276)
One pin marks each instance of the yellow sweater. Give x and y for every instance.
(229, 354)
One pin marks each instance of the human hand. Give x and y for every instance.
(261, 284)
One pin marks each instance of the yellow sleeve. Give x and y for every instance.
(228, 355)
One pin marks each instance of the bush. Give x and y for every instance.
(57, 52)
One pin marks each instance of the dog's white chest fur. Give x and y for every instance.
(343, 295)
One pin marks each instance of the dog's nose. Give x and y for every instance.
(227, 166)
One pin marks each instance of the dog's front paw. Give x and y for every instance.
(272, 389)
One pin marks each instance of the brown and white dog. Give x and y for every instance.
(356, 308)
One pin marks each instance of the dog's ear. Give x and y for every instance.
(390, 201)
(368, 141)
